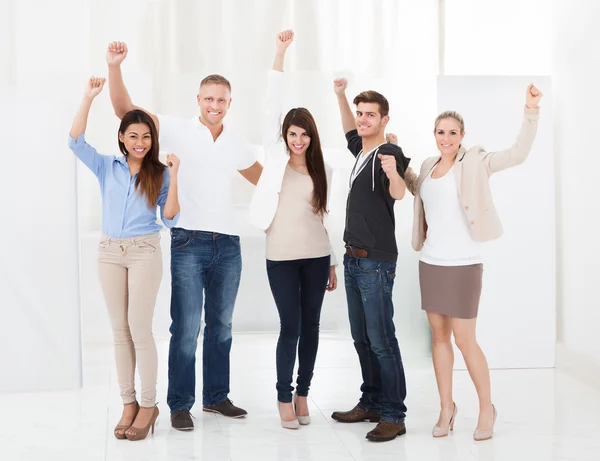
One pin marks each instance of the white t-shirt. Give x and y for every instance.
(448, 241)
(206, 172)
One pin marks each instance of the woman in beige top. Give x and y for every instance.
(290, 204)
(453, 214)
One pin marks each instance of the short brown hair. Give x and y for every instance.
(215, 79)
(375, 97)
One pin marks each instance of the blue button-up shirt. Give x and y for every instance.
(125, 211)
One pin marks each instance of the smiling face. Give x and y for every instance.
(369, 121)
(298, 140)
(137, 139)
(214, 100)
(448, 136)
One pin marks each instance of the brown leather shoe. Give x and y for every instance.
(226, 408)
(386, 431)
(356, 415)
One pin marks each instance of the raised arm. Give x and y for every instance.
(271, 123)
(93, 89)
(283, 41)
(84, 152)
(119, 96)
(339, 87)
(501, 160)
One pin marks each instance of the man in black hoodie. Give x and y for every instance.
(376, 182)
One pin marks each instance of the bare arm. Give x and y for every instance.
(339, 87)
(253, 173)
(119, 96)
(93, 89)
(397, 186)
(171, 207)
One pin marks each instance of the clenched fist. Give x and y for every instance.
(388, 163)
(391, 138)
(173, 164)
(340, 85)
(94, 87)
(284, 39)
(116, 53)
(533, 96)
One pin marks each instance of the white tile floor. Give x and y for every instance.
(543, 415)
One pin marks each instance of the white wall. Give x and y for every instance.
(40, 346)
(576, 76)
(517, 315)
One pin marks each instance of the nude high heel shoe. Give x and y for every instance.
(294, 424)
(303, 420)
(140, 433)
(479, 435)
(123, 428)
(443, 431)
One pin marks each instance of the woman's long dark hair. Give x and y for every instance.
(315, 164)
(150, 178)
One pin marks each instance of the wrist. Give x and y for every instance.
(532, 106)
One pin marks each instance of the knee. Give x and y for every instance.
(310, 328)
(440, 336)
(141, 334)
(122, 335)
(465, 343)
(289, 330)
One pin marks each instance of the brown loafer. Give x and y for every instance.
(356, 415)
(386, 431)
(226, 408)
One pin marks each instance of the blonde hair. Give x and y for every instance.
(450, 114)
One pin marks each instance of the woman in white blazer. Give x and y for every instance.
(290, 205)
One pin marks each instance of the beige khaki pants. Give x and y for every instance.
(130, 273)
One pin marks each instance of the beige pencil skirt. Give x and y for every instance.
(451, 290)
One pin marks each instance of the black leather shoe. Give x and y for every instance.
(182, 420)
(226, 408)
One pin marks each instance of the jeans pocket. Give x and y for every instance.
(235, 239)
(368, 266)
(179, 240)
(103, 244)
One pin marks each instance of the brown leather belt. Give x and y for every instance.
(356, 252)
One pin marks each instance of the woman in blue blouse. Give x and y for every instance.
(129, 254)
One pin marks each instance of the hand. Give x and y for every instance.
(116, 53)
(388, 163)
(533, 96)
(340, 85)
(332, 283)
(284, 39)
(391, 138)
(94, 87)
(173, 164)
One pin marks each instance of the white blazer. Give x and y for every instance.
(266, 196)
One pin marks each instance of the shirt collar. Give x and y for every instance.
(198, 124)
(122, 159)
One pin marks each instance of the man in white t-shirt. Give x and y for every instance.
(206, 261)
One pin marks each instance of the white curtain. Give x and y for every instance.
(52, 48)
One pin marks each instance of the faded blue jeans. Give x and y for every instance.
(205, 269)
(369, 285)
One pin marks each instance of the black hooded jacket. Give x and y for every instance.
(370, 220)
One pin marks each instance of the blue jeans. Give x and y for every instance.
(369, 286)
(298, 288)
(203, 265)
